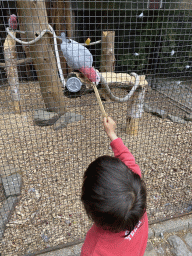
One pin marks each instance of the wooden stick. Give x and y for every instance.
(11, 69)
(21, 61)
(104, 114)
(132, 126)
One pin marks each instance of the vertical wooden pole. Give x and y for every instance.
(11, 69)
(33, 18)
(107, 57)
(69, 27)
(56, 18)
(107, 51)
(68, 17)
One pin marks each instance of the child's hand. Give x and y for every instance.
(110, 126)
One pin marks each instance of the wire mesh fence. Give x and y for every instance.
(51, 122)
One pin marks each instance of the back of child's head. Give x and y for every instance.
(113, 196)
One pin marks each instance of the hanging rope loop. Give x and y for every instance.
(55, 38)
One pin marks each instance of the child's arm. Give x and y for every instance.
(119, 149)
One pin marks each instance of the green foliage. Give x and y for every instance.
(154, 37)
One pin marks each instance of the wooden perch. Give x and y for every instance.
(123, 80)
(33, 19)
(11, 69)
(135, 103)
(18, 62)
(107, 51)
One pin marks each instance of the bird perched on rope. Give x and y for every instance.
(79, 57)
(13, 22)
(88, 41)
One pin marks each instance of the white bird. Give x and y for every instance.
(140, 15)
(187, 66)
(172, 52)
(178, 82)
(80, 58)
(136, 54)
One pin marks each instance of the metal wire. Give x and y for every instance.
(49, 135)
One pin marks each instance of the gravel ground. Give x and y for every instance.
(53, 162)
(2, 195)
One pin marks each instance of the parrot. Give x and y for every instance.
(88, 41)
(79, 57)
(13, 22)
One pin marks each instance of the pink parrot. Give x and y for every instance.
(13, 22)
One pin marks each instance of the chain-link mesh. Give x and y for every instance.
(51, 129)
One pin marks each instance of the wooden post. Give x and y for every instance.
(33, 19)
(56, 18)
(107, 51)
(107, 58)
(11, 69)
(135, 111)
(68, 17)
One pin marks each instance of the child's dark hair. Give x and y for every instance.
(113, 196)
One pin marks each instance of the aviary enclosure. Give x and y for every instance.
(51, 110)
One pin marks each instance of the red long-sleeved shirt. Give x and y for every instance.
(99, 242)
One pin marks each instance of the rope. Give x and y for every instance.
(55, 37)
(128, 96)
(97, 42)
(30, 42)
(57, 57)
(51, 31)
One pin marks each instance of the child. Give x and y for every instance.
(114, 197)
